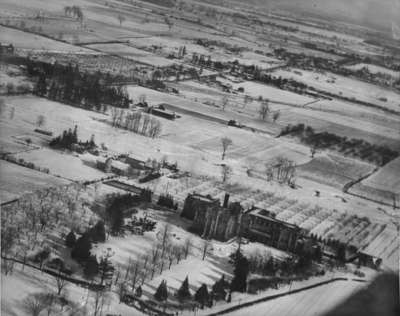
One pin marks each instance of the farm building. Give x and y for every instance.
(137, 163)
(6, 49)
(263, 227)
(124, 186)
(114, 166)
(162, 112)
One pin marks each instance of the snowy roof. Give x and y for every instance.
(262, 213)
(204, 198)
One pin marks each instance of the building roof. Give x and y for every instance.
(204, 198)
(265, 214)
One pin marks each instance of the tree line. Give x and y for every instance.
(358, 148)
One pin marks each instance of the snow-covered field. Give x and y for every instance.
(17, 287)
(133, 53)
(17, 180)
(347, 87)
(334, 170)
(28, 41)
(375, 69)
(383, 185)
(56, 161)
(271, 93)
(314, 302)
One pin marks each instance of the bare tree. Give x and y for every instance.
(206, 246)
(12, 113)
(224, 102)
(145, 124)
(169, 23)
(121, 19)
(264, 110)
(247, 100)
(177, 252)
(35, 303)
(154, 128)
(41, 120)
(226, 142)
(171, 254)
(154, 257)
(2, 106)
(226, 172)
(276, 116)
(313, 150)
(187, 246)
(135, 273)
(165, 238)
(61, 282)
(98, 302)
(122, 289)
(114, 115)
(282, 169)
(142, 98)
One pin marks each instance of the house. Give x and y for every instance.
(6, 49)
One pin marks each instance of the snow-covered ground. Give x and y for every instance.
(56, 161)
(375, 69)
(15, 288)
(313, 302)
(27, 41)
(17, 180)
(347, 87)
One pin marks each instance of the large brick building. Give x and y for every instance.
(262, 226)
(223, 222)
(210, 218)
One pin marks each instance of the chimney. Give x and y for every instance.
(226, 200)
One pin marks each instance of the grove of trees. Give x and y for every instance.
(70, 85)
(137, 122)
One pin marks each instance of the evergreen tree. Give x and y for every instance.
(270, 266)
(218, 289)
(162, 292)
(75, 135)
(70, 240)
(184, 292)
(81, 251)
(138, 292)
(117, 221)
(240, 273)
(98, 232)
(202, 295)
(91, 268)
